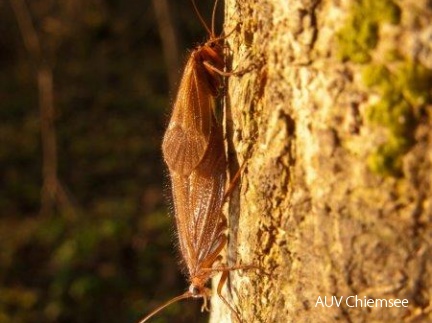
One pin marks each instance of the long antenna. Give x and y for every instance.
(213, 19)
(201, 18)
(173, 300)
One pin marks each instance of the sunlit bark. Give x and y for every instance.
(335, 198)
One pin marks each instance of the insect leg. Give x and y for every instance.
(233, 183)
(232, 73)
(222, 281)
(216, 70)
(206, 295)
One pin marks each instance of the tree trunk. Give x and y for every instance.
(333, 121)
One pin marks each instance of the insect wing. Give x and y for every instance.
(198, 203)
(187, 137)
(207, 196)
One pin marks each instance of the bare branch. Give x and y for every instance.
(169, 39)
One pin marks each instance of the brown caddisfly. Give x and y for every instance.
(194, 151)
(188, 134)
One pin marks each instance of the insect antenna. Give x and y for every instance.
(213, 19)
(171, 301)
(202, 19)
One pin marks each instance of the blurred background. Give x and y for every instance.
(86, 88)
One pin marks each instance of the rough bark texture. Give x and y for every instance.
(334, 123)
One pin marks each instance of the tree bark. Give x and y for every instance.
(333, 121)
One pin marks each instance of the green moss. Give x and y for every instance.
(383, 10)
(356, 39)
(415, 81)
(375, 75)
(402, 91)
(392, 112)
(393, 55)
(396, 115)
(404, 88)
(360, 33)
(386, 160)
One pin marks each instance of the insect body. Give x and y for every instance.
(194, 151)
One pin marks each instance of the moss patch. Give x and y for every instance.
(360, 33)
(396, 115)
(402, 91)
(403, 85)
